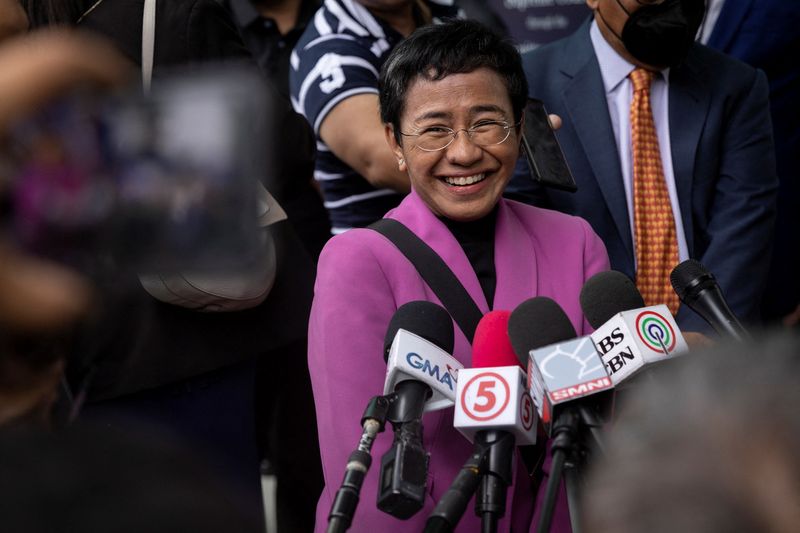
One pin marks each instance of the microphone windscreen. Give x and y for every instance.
(686, 275)
(425, 319)
(607, 293)
(538, 322)
(491, 345)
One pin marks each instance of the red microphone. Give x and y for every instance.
(494, 410)
(491, 345)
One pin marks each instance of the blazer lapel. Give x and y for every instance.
(689, 101)
(726, 26)
(585, 101)
(514, 261)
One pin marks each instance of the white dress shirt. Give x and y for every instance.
(619, 95)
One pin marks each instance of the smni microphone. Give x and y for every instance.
(560, 372)
(420, 376)
(561, 368)
(697, 288)
(628, 335)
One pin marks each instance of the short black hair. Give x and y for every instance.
(438, 50)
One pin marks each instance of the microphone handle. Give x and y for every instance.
(710, 304)
(453, 503)
(490, 503)
(564, 433)
(346, 500)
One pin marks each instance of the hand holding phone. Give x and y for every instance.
(545, 158)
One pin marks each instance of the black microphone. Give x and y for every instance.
(606, 294)
(697, 288)
(561, 370)
(404, 467)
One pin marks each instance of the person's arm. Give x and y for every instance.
(334, 84)
(41, 66)
(741, 213)
(354, 132)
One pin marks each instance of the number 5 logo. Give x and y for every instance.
(485, 396)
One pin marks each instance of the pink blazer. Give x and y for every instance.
(363, 278)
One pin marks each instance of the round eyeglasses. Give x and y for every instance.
(486, 133)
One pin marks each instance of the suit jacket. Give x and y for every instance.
(764, 35)
(363, 278)
(722, 153)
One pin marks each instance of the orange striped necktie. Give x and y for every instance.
(653, 222)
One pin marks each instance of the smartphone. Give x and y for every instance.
(545, 157)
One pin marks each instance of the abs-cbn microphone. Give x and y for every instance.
(420, 376)
(697, 288)
(494, 410)
(628, 335)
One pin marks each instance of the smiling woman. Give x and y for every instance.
(460, 177)
(452, 98)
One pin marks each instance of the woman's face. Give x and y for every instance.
(463, 181)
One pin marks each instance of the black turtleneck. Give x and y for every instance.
(477, 240)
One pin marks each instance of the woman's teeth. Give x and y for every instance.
(468, 180)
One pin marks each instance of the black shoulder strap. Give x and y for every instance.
(436, 274)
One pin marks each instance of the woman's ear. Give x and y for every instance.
(397, 149)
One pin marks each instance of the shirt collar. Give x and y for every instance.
(613, 67)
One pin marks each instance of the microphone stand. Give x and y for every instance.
(490, 503)
(488, 470)
(346, 499)
(453, 503)
(565, 430)
(568, 450)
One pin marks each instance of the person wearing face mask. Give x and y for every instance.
(670, 144)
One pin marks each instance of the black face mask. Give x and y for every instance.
(661, 35)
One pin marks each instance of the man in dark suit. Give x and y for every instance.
(764, 35)
(714, 135)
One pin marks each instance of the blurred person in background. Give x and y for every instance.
(270, 29)
(709, 447)
(88, 479)
(192, 372)
(40, 301)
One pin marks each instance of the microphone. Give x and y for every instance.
(407, 387)
(420, 377)
(697, 288)
(628, 335)
(492, 395)
(560, 370)
(494, 410)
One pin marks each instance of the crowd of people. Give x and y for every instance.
(678, 119)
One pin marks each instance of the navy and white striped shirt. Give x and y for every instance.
(340, 55)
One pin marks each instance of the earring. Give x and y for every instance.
(401, 160)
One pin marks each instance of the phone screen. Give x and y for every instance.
(545, 158)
